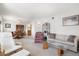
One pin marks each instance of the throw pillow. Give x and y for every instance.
(71, 38)
(52, 35)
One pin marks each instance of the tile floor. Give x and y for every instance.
(36, 49)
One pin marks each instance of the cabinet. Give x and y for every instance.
(20, 28)
(19, 33)
(29, 30)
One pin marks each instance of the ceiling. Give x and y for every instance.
(31, 11)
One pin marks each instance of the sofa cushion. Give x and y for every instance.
(71, 38)
(60, 37)
(52, 35)
(69, 44)
(64, 42)
(66, 37)
(51, 40)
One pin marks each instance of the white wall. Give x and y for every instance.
(56, 24)
(45, 14)
(0, 24)
(66, 30)
(13, 26)
(37, 25)
(10, 20)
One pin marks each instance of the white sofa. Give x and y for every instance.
(9, 46)
(64, 40)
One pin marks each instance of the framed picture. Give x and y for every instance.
(71, 20)
(7, 25)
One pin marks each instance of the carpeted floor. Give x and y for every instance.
(36, 49)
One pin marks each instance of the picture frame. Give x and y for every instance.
(71, 20)
(7, 25)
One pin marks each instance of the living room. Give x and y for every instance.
(22, 25)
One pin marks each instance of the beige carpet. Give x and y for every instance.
(36, 49)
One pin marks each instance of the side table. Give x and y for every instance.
(60, 51)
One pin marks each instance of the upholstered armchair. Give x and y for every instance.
(9, 46)
(39, 37)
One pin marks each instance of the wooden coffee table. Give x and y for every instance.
(59, 49)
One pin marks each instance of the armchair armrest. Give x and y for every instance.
(18, 43)
(76, 41)
(12, 50)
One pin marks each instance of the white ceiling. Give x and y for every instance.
(31, 11)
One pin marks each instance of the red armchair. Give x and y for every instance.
(39, 37)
